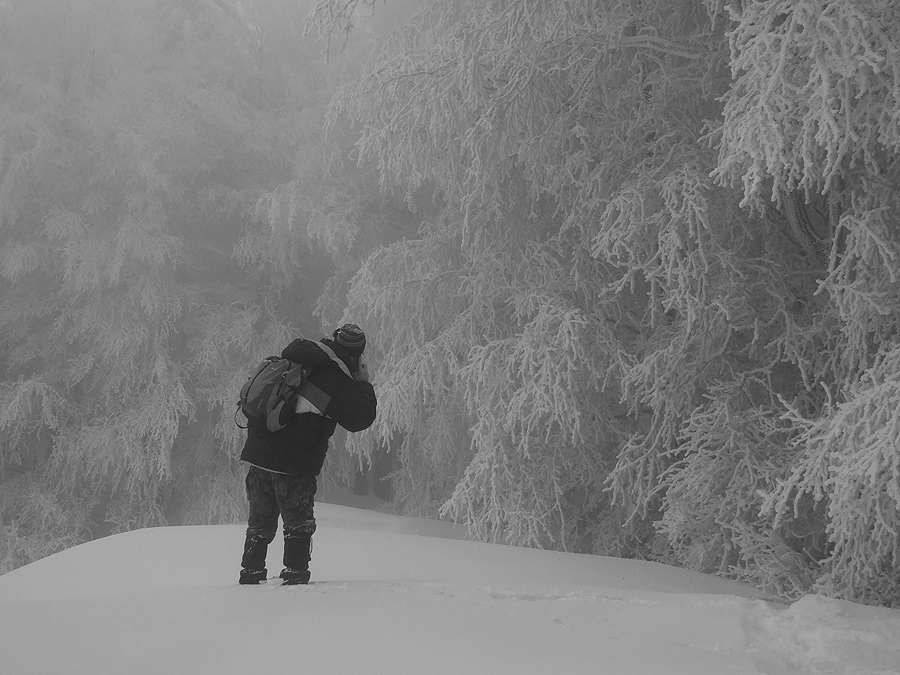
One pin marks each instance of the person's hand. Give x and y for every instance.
(362, 371)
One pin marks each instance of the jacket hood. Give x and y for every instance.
(313, 354)
(306, 352)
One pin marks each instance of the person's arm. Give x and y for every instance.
(349, 402)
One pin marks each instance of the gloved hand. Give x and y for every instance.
(362, 371)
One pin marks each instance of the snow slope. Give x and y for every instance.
(409, 596)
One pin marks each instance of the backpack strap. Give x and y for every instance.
(311, 398)
(334, 357)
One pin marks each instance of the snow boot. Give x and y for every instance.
(292, 577)
(249, 577)
(253, 563)
(296, 558)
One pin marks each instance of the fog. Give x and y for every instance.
(628, 271)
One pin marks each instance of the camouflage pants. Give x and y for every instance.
(273, 494)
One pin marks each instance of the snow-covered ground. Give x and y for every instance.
(407, 596)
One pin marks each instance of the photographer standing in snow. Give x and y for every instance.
(285, 464)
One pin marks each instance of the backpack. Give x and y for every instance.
(267, 390)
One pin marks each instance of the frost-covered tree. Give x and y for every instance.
(655, 313)
(813, 117)
(140, 275)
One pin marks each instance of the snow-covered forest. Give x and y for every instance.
(630, 269)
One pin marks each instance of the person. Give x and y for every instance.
(285, 464)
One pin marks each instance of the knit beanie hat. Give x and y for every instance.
(351, 337)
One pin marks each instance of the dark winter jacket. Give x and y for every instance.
(300, 447)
